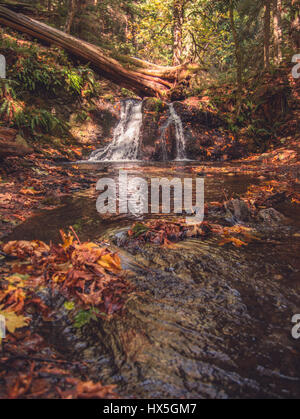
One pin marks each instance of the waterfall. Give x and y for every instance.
(126, 140)
(175, 119)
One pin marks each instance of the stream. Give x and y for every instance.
(205, 321)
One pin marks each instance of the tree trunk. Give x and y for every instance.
(295, 25)
(141, 77)
(267, 33)
(178, 16)
(238, 56)
(277, 17)
(71, 15)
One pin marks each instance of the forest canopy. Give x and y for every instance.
(211, 32)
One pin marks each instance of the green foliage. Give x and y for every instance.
(37, 73)
(83, 317)
(139, 229)
(14, 112)
(44, 120)
(127, 93)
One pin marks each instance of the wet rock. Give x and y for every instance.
(155, 115)
(238, 210)
(271, 216)
(275, 199)
(121, 238)
(205, 138)
(202, 320)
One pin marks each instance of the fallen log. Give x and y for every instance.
(144, 78)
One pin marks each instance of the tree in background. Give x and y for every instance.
(235, 38)
(294, 30)
(267, 34)
(277, 27)
(178, 18)
(70, 17)
(238, 54)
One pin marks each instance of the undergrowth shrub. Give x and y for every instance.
(35, 73)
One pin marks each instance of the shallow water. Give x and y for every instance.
(206, 321)
(81, 213)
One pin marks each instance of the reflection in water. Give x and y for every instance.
(81, 212)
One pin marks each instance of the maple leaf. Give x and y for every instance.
(236, 242)
(13, 321)
(24, 248)
(110, 262)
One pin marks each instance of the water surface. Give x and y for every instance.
(206, 321)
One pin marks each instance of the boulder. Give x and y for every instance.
(271, 217)
(205, 138)
(238, 209)
(12, 144)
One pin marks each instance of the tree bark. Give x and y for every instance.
(178, 17)
(277, 17)
(141, 77)
(294, 31)
(71, 15)
(267, 33)
(238, 56)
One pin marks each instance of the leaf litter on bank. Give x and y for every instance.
(91, 279)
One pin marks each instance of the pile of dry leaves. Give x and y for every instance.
(89, 276)
(165, 233)
(86, 272)
(273, 192)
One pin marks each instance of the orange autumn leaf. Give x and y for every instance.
(110, 262)
(24, 248)
(67, 239)
(236, 242)
(29, 191)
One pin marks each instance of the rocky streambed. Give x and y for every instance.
(205, 320)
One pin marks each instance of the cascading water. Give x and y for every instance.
(175, 119)
(126, 141)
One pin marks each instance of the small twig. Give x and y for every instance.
(75, 234)
(225, 194)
